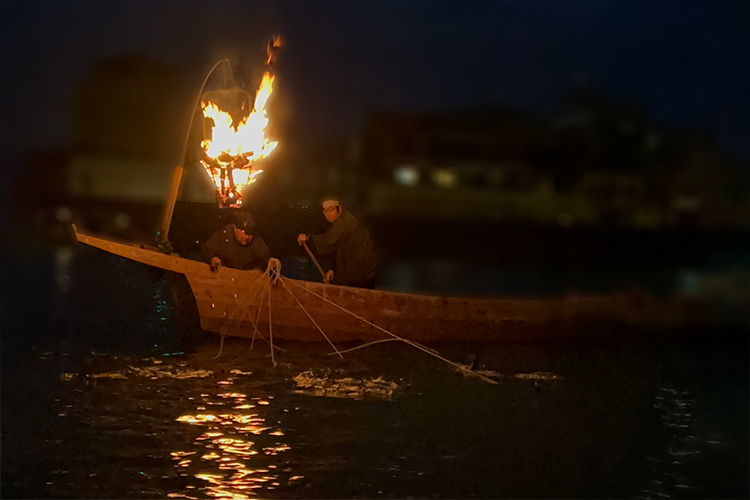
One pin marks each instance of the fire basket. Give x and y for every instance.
(234, 134)
(234, 138)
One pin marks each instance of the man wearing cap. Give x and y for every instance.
(236, 245)
(348, 241)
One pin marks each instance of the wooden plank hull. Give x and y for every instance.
(229, 301)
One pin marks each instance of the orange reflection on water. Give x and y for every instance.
(197, 419)
(253, 429)
(232, 466)
(242, 419)
(274, 450)
(232, 395)
(183, 453)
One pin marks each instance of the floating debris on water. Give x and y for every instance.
(240, 372)
(486, 373)
(170, 372)
(115, 375)
(152, 372)
(348, 387)
(535, 376)
(545, 376)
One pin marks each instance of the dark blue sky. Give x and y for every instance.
(687, 61)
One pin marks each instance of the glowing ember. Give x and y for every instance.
(232, 148)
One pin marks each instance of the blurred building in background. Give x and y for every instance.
(595, 162)
(476, 163)
(130, 121)
(597, 186)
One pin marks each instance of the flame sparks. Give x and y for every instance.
(232, 149)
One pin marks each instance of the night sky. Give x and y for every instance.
(688, 62)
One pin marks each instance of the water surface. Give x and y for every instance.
(103, 398)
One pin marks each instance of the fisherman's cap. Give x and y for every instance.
(245, 222)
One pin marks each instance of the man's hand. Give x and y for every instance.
(329, 276)
(215, 264)
(301, 238)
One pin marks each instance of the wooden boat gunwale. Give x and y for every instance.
(229, 300)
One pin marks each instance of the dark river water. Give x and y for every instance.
(104, 396)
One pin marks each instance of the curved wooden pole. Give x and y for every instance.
(161, 237)
(163, 234)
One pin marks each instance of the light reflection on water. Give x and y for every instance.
(63, 257)
(203, 428)
(227, 454)
(671, 469)
(232, 435)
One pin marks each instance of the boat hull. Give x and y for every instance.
(233, 302)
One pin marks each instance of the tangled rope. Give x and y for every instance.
(273, 270)
(416, 345)
(273, 275)
(311, 319)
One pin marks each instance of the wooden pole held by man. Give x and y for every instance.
(315, 261)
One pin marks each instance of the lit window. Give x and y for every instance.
(406, 175)
(445, 178)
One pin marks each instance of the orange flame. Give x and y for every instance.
(233, 149)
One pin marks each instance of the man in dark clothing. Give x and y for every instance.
(236, 245)
(349, 242)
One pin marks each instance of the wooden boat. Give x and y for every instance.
(229, 300)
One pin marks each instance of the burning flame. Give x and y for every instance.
(231, 151)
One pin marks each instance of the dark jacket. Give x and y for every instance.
(349, 242)
(224, 245)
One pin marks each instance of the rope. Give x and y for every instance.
(239, 321)
(243, 306)
(433, 351)
(274, 269)
(221, 347)
(245, 309)
(365, 345)
(273, 272)
(270, 322)
(311, 319)
(257, 319)
(411, 343)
